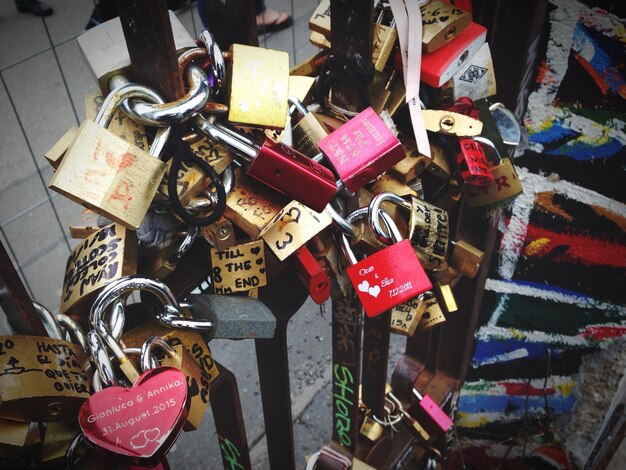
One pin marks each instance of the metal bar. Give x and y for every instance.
(14, 300)
(351, 45)
(229, 425)
(233, 21)
(150, 42)
(376, 333)
(284, 297)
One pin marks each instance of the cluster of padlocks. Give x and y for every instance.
(221, 206)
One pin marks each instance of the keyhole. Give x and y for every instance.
(451, 33)
(277, 171)
(463, 57)
(446, 123)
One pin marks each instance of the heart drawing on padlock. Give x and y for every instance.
(374, 291)
(141, 421)
(363, 286)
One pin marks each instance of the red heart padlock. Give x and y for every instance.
(139, 422)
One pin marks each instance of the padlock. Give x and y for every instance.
(428, 228)
(389, 184)
(319, 40)
(238, 268)
(439, 66)
(161, 262)
(445, 296)
(406, 317)
(476, 79)
(442, 23)
(380, 90)
(105, 256)
(265, 104)
(371, 429)
(121, 125)
(415, 425)
(508, 126)
(300, 88)
(434, 420)
(292, 228)
(220, 234)
(472, 163)
(466, 258)
(20, 444)
(413, 163)
(118, 180)
(308, 131)
(386, 278)
(362, 149)
(197, 380)
(58, 437)
(56, 153)
(87, 223)
(311, 66)
(41, 379)
(451, 123)
(311, 274)
(141, 422)
(505, 188)
(280, 167)
(385, 36)
(432, 315)
(320, 20)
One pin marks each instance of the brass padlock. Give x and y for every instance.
(406, 317)
(466, 258)
(107, 255)
(307, 131)
(87, 223)
(117, 179)
(265, 104)
(41, 378)
(56, 443)
(20, 444)
(385, 36)
(320, 21)
(388, 183)
(412, 165)
(220, 234)
(445, 295)
(371, 429)
(433, 315)
(379, 90)
(57, 151)
(319, 40)
(197, 381)
(239, 268)
(442, 22)
(251, 205)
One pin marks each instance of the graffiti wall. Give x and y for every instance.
(551, 349)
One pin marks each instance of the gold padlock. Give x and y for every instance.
(319, 40)
(57, 151)
(371, 429)
(20, 443)
(446, 296)
(466, 258)
(388, 183)
(499, 193)
(220, 234)
(308, 131)
(251, 205)
(107, 255)
(41, 378)
(379, 90)
(442, 23)
(433, 315)
(385, 36)
(57, 439)
(320, 21)
(412, 165)
(107, 174)
(265, 104)
(87, 223)
(197, 382)
(429, 232)
(239, 268)
(406, 317)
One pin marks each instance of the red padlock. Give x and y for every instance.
(311, 274)
(388, 277)
(278, 166)
(362, 149)
(473, 164)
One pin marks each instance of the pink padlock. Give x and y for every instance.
(362, 149)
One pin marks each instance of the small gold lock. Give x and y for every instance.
(412, 165)
(406, 317)
(499, 193)
(106, 255)
(57, 151)
(433, 314)
(251, 206)
(311, 66)
(445, 294)
(371, 429)
(442, 23)
(466, 258)
(319, 40)
(379, 91)
(239, 268)
(388, 183)
(385, 37)
(220, 234)
(265, 103)
(57, 439)
(320, 21)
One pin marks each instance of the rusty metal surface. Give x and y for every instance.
(232, 21)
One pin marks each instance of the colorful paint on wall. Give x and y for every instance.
(554, 307)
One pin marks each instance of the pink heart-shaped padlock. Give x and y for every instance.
(142, 421)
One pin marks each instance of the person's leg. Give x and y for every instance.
(270, 20)
(34, 6)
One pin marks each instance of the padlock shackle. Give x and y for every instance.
(355, 215)
(146, 357)
(485, 142)
(73, 329)
(339, 222)
(100, 357)
(215, 56)
(182, 323)
(298, 105)
(209, 201)
(174, 112)
(50, 321)
(226, 137)
(374, 221)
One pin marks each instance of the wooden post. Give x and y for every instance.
(232, 22)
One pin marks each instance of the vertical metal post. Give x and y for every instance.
(150, 42)
(351, 48)
(233, 21)
(15, 301)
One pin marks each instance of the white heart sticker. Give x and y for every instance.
(374, 291)
(363, 286)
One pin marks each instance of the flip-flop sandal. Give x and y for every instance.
(283, 20)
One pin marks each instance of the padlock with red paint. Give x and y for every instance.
(278, 166)
(472, 163)
(362, 149)
(388, 277)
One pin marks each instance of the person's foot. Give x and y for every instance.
(33, 6)
(272, 20)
